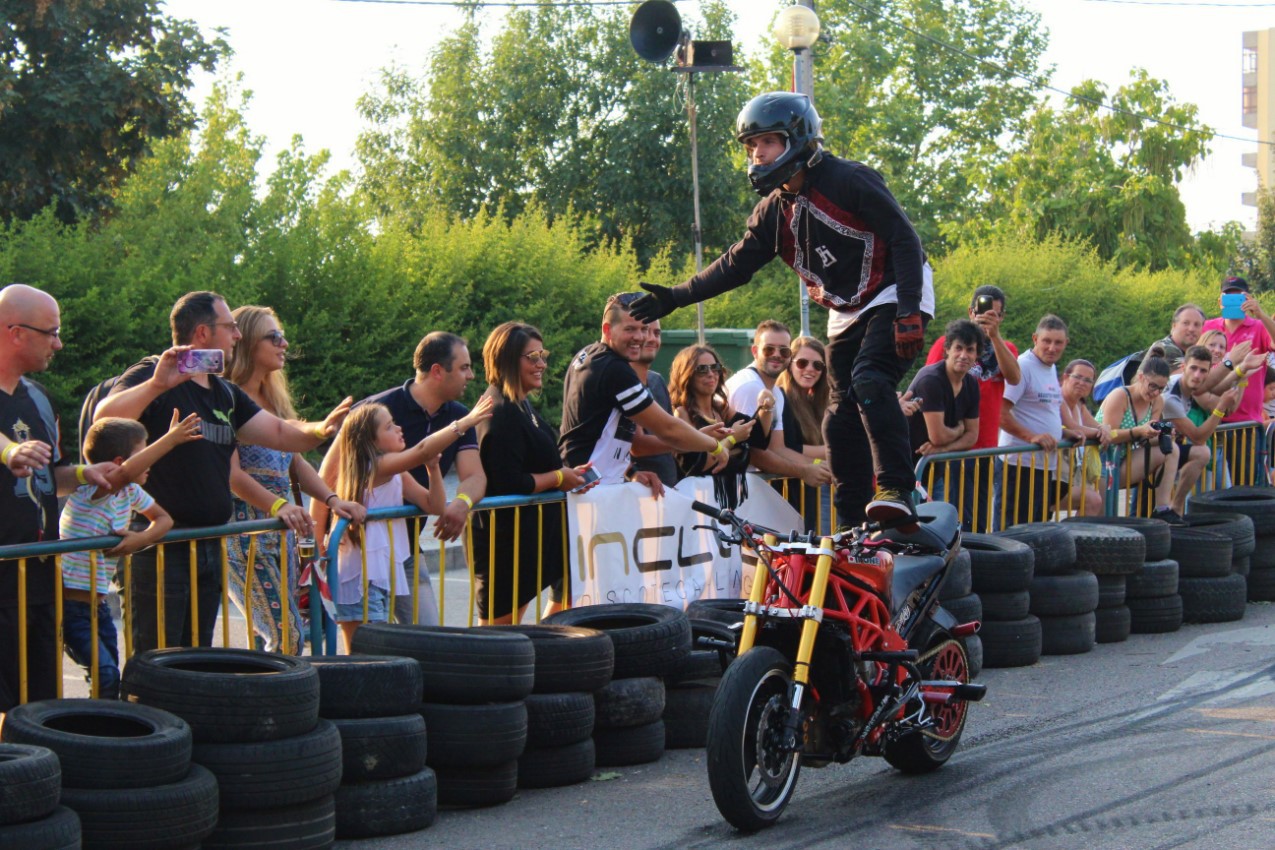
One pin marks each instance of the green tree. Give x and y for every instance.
(926, 92)
(85, 87)
(1107, 176)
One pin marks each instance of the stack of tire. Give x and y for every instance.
(1062, 597)
(690, 690)
(374, 702)
(1258, 504)
(1210, 590)
(126, 772)
(958, 597)
(30, 788)
(1111, 553)
(254, 718)
(651, 642)
(475, 682)
(571, 663)
(1001, 573)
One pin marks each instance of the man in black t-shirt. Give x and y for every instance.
(192, 482)
(603, 401)
(33, 475)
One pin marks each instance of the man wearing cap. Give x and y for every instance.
(837, 225)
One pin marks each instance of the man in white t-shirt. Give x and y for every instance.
(772, 349)
(1031, 413)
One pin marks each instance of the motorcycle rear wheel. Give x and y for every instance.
(751, 777)
(920, 752)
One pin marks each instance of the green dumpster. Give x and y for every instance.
(733, 346)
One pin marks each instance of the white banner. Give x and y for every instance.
(626, 546)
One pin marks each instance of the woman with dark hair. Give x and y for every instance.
(519, 452)
(1130, 414)
(806, 393)
(697, 389)
(1086, 490)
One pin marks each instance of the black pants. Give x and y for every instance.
(44, 668)
(864, 427)
(143, 599)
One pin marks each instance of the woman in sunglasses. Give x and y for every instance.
(697, 389)
(1132, 415)
(805, 386)
(519, 452)
(261, 480)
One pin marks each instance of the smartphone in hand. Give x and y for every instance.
(202, 360)
(590, 475)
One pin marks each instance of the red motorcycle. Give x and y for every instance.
(843, 651)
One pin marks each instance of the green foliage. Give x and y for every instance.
(86, 86)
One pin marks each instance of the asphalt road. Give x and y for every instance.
(1164, 741)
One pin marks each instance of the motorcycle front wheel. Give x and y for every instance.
(751, 775)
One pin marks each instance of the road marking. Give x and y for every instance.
(923, 828)
(1249, 636)
(1254, 713)
(1232, 734)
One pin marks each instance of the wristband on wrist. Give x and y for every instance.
(456, 430)
(277, 506)
(79, 474)
(816, 461)
(1239, 371)
(317, 430)
(715, 452)
(730, 440)
(1218, 413)
(558, 478)
(468, 501)
(8, 453)
(328, 500)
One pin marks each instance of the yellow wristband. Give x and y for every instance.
(79, 474)
(1219, 414)
(559, 478)
(715, 452)
(277, 506)
(1239, 371)
(468, 501)
(816, 461)
(317, 431)
(730, 438)
(8, 453)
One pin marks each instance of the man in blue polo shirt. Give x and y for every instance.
(420, 407)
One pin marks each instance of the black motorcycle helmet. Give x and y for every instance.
(794, 117)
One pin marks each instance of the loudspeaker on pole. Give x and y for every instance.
(655, 30)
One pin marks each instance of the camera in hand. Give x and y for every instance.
(1164, 430)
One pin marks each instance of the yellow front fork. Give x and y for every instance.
(755, 595)
(810, 627)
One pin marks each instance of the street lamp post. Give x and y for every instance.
(797, 29)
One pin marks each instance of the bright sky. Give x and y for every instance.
(307, 62)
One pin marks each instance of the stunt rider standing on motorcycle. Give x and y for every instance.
(837, 225)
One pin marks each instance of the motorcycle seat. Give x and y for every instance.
(911, 571)
(936, 533)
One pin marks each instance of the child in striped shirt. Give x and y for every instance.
(92, 512)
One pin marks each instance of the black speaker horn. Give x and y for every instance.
(655, 30)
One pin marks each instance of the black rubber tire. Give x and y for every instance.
(105, 743)
(558, 720)
(1111, 590)
(569, 659)
(59, 830)
(1213, 600)
(1107, 549)
(378, 748)
(1201, 552)
(965, 609)
(1257, 503)
(712, 650)
(476, 736)
(227, 695)
(367, 685)
(959, 580)
(554, 767)
(629, 702)
(306, 826)
(1111, 625)
(1053, 547)
(478, 786)
(1065, 594)
(1154, 531)
(650, 640)
(1261, 586)
(1242, 566)
(1011, 643)
(974, 652)
(1005, 606)
(459, 666)
(686, 710)
(1156, 615)
(1263, 555)
(1238, 527)
(1073, 634)
(30, 783)
(997, 564)
(1154, 580)
(631, 745)
(270, 774)
(387, 807)
(699, 665)
(725, 611)
(179, 814)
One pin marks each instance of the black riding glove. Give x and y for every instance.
(656, 304)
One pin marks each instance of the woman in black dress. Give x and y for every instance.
(519, 453)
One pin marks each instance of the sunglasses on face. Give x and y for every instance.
(771, 350)
(537, 356)
(706, 368)
(803, 363)
(276, 338)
